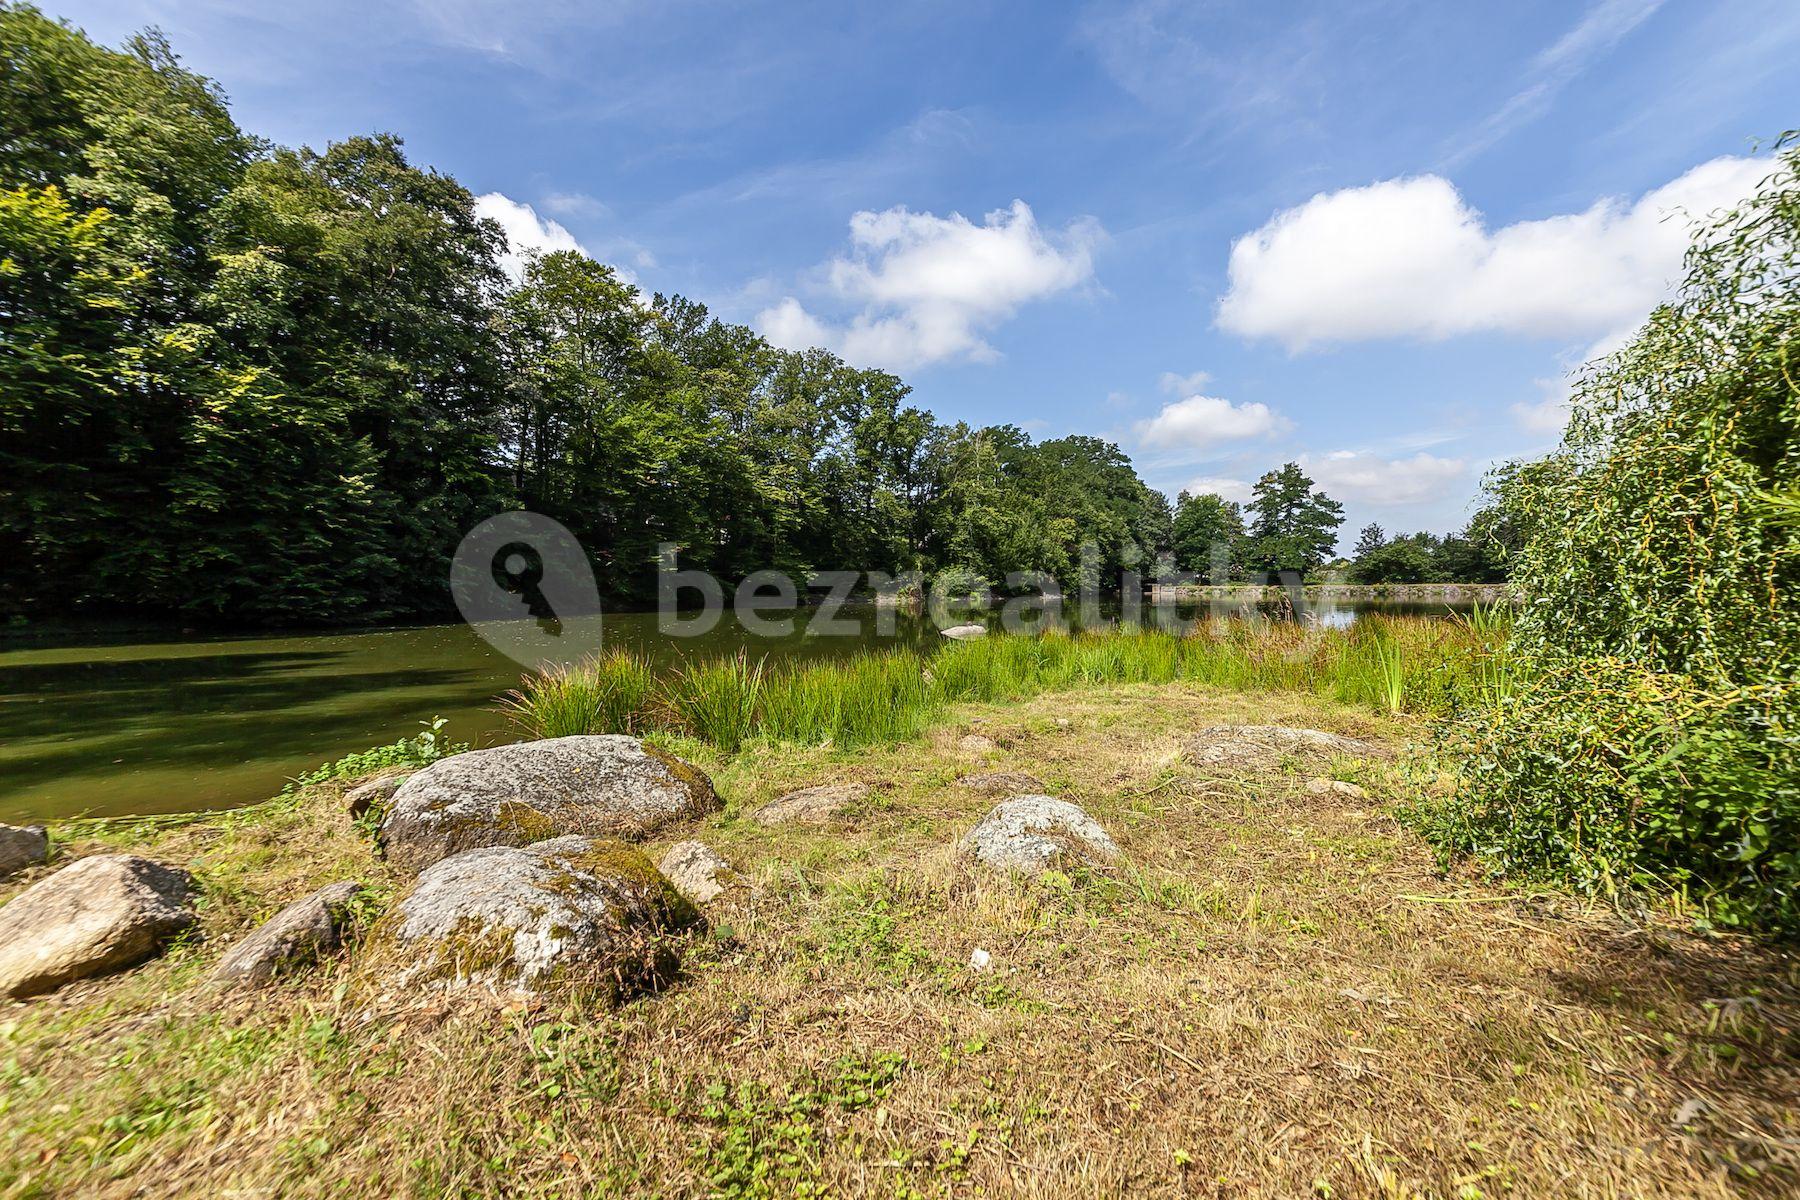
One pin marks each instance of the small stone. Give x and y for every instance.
(1689, 1111)
(1029, 834)
(582, 916)
(599, 785)
(298, 935)
(977, 743)
(697, 871)
(980, 960)
(1335, 787)
(964, 632)
(22, 846)
(95, 915)
(1248, 745)
(813, 805)
(1002, 783)
(373, 793)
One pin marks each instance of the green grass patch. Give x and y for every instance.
(610, 694)
(1388, 664)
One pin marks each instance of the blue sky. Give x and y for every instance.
(1371, 236)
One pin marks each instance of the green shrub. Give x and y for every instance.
(1608, 776)
(1641, 728)
(420, 750)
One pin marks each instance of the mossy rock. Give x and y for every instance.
(814, 805)
(302, 932)
(601, 785)
(587, 918)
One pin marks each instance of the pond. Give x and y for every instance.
(112, 726)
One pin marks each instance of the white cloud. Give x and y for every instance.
(1410, 258)
(525, 231)
(930, 287)
(1201, 421)
(788, 324)
(1183, 385)
(1369, 479)
(1545, 416)
(1596, 33)
(575, 204)
(1230, 489)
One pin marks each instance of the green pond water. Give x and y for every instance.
(110, 726)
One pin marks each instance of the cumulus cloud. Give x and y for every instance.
(1411, 258)
(1201, 421)
(1378, 482)
(928, 288)
(1230, 489)
(790, 325)
(525, 231)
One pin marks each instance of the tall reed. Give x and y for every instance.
(609, 694)
(716, 701)
(870, 697)
(1392, 664)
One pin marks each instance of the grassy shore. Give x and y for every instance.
(1389, 664)
(1278, 996)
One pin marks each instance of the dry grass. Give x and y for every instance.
(1279, 997)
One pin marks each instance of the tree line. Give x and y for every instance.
(1288, 526)
(1477, 554)
(247, 382)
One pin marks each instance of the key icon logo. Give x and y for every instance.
(523, 583)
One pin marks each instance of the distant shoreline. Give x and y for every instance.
(1406, 593)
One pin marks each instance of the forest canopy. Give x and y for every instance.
(246, 382)
(268, 384)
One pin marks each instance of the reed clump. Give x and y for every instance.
(613, 693)
(1414, 665)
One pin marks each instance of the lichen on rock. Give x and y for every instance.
(587, 917)
(602, 785)
(1030, 834)
(697, 871)
(814, 805)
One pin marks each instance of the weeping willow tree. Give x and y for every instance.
(1652, 736)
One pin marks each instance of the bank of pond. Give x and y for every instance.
(113, 726)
